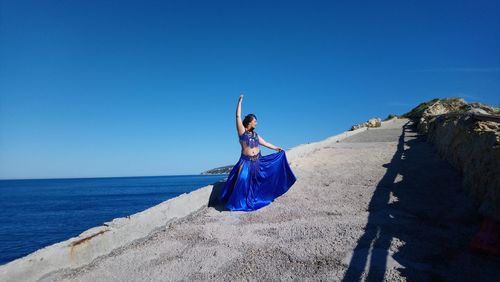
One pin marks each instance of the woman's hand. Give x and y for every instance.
(278, 149)
(241, 97)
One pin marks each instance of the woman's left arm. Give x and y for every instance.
(268, 145)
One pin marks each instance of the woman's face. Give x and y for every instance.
(253, 123)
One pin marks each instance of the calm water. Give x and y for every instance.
(38, 213)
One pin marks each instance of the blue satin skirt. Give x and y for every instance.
(255, 182)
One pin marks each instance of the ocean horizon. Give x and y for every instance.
(40, 212)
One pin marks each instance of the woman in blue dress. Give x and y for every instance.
(256, 180)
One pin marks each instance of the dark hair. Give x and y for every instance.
(248, 118)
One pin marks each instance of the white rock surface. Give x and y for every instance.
(379, 204)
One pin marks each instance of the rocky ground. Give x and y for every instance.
(379, 205)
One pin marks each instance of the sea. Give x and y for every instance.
(35, 213)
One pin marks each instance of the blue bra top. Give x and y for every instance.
(251, 138)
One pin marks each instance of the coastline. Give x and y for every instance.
(101, 240)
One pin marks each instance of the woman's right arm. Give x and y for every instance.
(239, 124)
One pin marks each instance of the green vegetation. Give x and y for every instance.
(390, 116)
(418, 110)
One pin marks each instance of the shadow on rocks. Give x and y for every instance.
(420, 221)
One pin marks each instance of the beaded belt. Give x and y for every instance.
(251, 158)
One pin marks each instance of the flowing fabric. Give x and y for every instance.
(255, 182)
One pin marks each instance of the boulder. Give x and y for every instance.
(373, 122)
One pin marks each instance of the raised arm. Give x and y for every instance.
(239, 124)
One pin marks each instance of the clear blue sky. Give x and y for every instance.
(130, 88)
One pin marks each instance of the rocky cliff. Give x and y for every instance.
(468, 136)
(218, 170)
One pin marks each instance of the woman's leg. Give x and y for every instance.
(230, 183)
(237, 199)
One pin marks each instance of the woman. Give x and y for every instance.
(256, 180)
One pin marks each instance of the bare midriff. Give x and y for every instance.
(246, 150)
